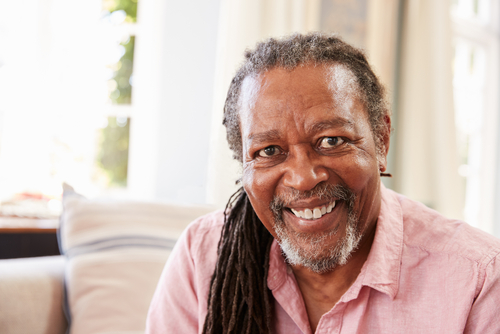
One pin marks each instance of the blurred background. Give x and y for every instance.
(123, 98)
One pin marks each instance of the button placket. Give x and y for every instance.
(331, 322)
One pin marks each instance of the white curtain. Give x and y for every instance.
(242, 24)
(426, 161)
(381, 40)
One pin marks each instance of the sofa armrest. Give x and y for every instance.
(31, 295)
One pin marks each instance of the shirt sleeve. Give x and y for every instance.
(483, 317)
(174, 307)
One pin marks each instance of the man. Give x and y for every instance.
(313, 242)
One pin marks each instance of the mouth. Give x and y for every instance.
(315, 212)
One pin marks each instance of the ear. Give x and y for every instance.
(385, 141)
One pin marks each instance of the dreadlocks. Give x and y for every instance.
(239, 300)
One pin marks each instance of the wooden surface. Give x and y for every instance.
(28, 237)
(28, 225)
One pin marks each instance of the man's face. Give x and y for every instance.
(310, 165)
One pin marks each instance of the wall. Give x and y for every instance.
(174, 78)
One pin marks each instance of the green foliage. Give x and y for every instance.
(123, 71)
(112, 157)
(128, 6)
(113, 154)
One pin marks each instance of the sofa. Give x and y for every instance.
(113, 254)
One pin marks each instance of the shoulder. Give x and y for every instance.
(207, 225)
(185, 282)
(429, 230)
(201, 237)
(443, 264)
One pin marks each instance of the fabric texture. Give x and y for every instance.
(115, 253)
(424, 274)
(31, 295)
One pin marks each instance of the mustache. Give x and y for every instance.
(321, 190)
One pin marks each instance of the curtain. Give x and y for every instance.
(426, 161)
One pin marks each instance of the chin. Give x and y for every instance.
(323, 251)
(309, 251)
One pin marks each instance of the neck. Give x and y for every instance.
(321, 291)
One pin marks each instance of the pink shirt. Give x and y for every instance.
(424, 274)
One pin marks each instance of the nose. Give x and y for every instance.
(304, 170)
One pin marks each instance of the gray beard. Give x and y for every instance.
(315, 256)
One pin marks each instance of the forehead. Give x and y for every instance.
(302, 91)
(336, 79)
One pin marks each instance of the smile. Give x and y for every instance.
(314, 213)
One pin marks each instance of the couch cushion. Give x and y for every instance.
(115, 253)
(31, 295)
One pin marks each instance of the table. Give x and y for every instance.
(28, 237)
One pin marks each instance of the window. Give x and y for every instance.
(475, 83)
(66, 96)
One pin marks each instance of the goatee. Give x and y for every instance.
(313, 254)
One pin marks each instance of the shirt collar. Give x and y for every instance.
(383, 265)
(277, 267)
(382, 268)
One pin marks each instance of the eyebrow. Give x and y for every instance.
(273, 135)
(270, 135)
(330, 124)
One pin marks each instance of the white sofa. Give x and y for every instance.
(114, 253)
(31, 296)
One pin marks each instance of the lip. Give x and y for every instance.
(326, 223)
(309, 204)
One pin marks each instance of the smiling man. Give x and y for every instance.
(313, 242)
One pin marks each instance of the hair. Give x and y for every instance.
(239, 300)
(300, 50)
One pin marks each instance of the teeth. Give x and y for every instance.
(317, 213)
(314, 213)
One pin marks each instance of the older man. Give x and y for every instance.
(313, 242)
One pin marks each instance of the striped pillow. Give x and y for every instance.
(115, 254)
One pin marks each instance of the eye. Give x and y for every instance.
(329, 142)
(269, 151)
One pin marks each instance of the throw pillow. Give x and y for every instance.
(115, 253)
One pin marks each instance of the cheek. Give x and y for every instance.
(259, 184)
(247, 180)
(358, 172)
(260, 187)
